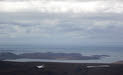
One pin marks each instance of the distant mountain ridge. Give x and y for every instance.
(50, 55)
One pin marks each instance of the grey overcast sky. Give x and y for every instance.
(61, 22)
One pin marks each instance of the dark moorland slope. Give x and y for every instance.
(29, 68)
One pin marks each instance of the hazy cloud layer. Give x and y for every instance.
(66, 6)
(74, 22)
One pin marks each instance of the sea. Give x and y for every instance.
(115, 53)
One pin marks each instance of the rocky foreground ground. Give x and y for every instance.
(52, 68)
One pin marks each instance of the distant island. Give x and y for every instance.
(119, 62)
(50, 55)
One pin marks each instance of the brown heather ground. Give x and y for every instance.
(52, 68)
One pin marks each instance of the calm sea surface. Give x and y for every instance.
(115, 53)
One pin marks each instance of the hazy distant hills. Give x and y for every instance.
(50, 55)
(119, 62)
(8, 55)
